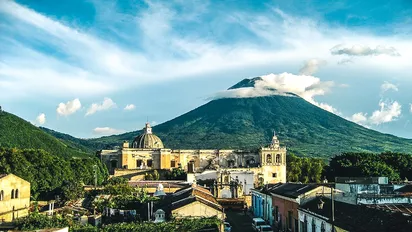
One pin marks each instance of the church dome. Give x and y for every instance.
(147, 139)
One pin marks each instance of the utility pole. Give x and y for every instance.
(333, 207)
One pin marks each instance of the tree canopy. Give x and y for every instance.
(304, 169)
(48, 173)
(395, 166)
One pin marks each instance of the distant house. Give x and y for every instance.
(14, 197)
(170, 186)
(193, 201)
(372, 190)
(316, 216)
(278, 203)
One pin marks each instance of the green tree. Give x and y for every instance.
(176, 174)
(72, 190)
(351, 164)
(117, 180)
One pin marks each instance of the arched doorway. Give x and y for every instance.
(250, 162)
(113, 164)
(191, 166)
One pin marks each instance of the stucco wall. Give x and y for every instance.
(197, 209)
(14, 208)
(310, 220)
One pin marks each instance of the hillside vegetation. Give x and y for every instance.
(249, 123)
(48, 173)
(18, 133)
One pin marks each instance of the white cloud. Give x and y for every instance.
(41, 119)
(153, 123)
(87, 65)
(105, 105)
(345, 61)
(284, 84)
(388, 86)
(386, 113)
(106, 131)
(411, 108)
(363, 50)
(69, 108)
(129, 107)
(359, 118)
(311, 66)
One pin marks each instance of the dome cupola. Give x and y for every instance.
(147, 139)
(275, 141)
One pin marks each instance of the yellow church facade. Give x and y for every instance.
(147, 152)
(14, 197)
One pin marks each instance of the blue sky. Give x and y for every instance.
(93, 67)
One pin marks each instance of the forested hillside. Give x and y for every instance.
(18, 133)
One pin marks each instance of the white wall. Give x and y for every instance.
(310, 218)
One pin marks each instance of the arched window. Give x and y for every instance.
(278, 159)
(323, 227)
(139, 163)
(1, 195)
(268, 158)
(16, 194)
(12, 194)
(149, 163)
(313, 225)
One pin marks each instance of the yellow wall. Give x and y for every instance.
(197, 209)
(20, 204)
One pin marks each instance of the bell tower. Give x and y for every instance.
(273, 161)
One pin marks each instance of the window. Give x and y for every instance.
(268, 158)
(274, 175)
(278, 159)
(290, 219)
(139, 163)
(149, 163)
(172, 163)
(296, 225)
(323, 227)
(16, 194)
(313, 225)
(1, 195)
(231, 163)
(305, 227)
(277, 218)
(12, 194)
